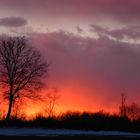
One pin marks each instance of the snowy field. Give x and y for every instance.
(61, 132)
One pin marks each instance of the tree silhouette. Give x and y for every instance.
(123, 105)
(21, 70)
(52, 98)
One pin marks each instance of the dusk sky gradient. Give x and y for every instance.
(93, 47)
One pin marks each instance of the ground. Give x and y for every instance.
(69, 138)
(64, 134)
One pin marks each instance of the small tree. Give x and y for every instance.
(21, 70)
(52, 98)
(123, 105)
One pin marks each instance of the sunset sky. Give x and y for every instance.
(93, 47)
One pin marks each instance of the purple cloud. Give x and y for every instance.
(13, 21)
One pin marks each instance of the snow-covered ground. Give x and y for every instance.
(60, 132)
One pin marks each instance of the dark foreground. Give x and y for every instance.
(68, 138)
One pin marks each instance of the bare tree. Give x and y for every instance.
(123, 105)
(21, 70)
(52, 98)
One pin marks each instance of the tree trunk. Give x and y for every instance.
(9, 111)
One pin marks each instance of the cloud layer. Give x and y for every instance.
(131, 32)
(118, 11)
(100, 68)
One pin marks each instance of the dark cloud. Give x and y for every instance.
(98, 29)
(132, 32)
(13, 21)
(79, 29)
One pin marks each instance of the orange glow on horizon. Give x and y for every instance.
(72, 98)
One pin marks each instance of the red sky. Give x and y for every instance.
(93, 47)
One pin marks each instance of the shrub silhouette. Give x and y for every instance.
(84, 121)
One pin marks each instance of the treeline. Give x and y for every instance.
(86, 121)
